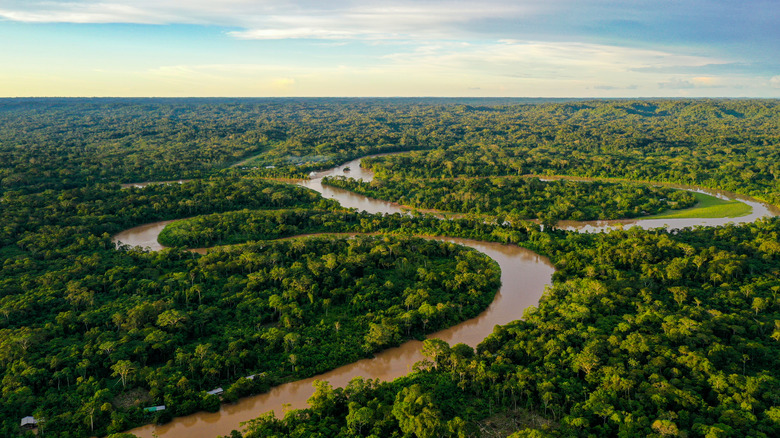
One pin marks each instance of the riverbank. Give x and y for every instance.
(708, 206)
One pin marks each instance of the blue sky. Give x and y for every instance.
(552, 48)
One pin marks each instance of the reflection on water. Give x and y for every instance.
(353, 200)
(759, 210)
(144, 236)
(346, 198)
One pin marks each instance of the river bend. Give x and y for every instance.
(524, 277)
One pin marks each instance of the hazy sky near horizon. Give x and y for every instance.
(551, 48)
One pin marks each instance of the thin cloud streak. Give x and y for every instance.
(381, 16)
(510, 58)
(103, 13)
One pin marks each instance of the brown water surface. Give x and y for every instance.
(144, 236)
(346, 198)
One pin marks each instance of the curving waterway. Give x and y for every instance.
(524, 277)
(353, 200)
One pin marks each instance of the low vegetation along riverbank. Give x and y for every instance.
(517, 198)
(708, 206)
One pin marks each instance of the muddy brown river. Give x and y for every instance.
(524, 276)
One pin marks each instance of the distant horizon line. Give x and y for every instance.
(396, 97)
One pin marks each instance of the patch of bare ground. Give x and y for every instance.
(507, 423)
(132, 398)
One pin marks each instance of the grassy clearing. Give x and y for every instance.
(707, 207)
(134, 397)
(506, 423)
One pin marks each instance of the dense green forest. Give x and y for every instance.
(729, 145)
(655, 333)
(516, 198)
(643, 334)
(79, 316)
(247, 225)
(60, 143)
(42, 220)
(66, 143)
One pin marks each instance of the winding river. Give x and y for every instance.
(353, 200)
(524, 276)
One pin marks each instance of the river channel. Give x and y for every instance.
(353, 200)
(524, 277)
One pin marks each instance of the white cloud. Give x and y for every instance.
(296, 32)
(676, 84)
(687, 82)
(284, 84)
(775, 81)
(398, 20)
(266, 19)
(543, 60)
(83, 13)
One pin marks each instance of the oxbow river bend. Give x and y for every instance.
(524, 277)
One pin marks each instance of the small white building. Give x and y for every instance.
(217, 391)
(155, 408)
(29, 422)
